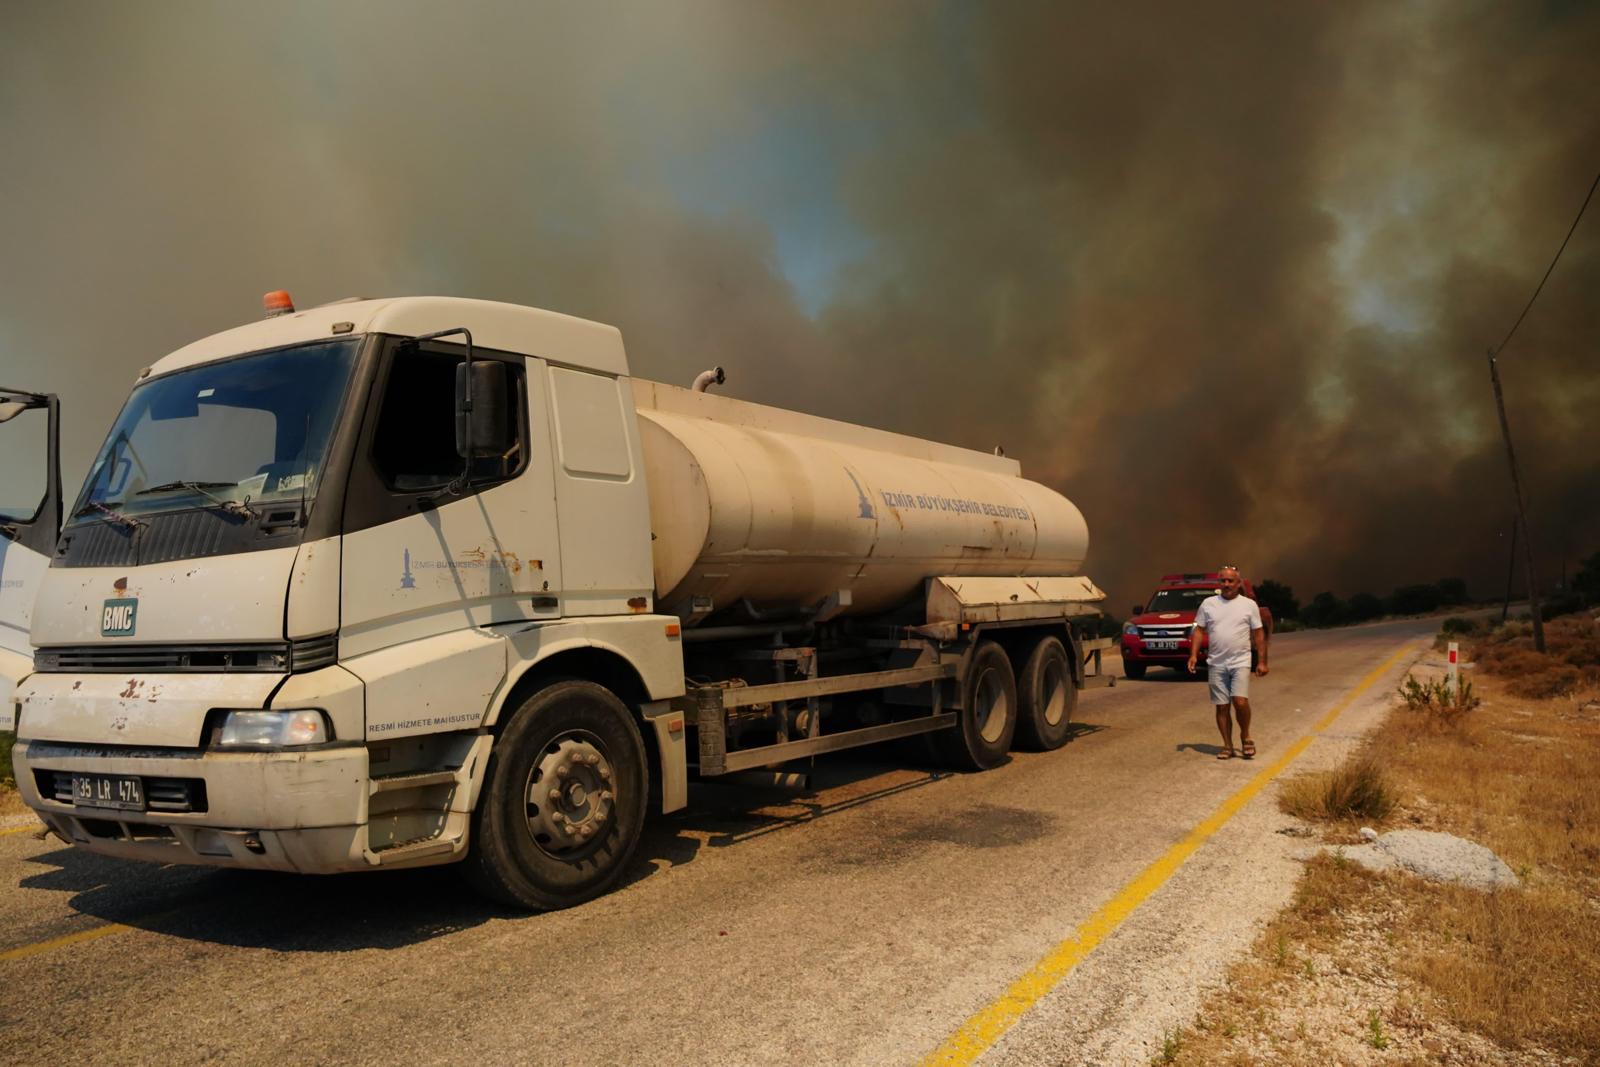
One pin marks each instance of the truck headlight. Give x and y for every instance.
(1130, 628)
(274, 729)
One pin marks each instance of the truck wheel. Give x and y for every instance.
(563, 800)
(1133, 670)
(1047, 696)
(987, 720)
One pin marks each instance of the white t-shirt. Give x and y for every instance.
(1227, 624)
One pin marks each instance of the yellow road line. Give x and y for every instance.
(981, 1031)
(24, 951)
(35, 828)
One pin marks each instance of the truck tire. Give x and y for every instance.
(1047, 697)
(987, 720)
(563, 799)
(1133, 670)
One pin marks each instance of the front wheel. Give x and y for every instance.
(987, 720)
(1133, 670)
(1048, 696)
(563, 801)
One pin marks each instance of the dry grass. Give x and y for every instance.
(1571, 659)
(10, 802)
(1429, 971)
(1358, 790)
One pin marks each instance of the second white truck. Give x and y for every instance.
(414, 581)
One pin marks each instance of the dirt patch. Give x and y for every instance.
(1369, 967)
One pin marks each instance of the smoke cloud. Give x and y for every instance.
(1224, 275)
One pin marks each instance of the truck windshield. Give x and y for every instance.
(1179, 599)
(240, 430)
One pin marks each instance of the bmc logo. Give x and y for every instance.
(117, 620)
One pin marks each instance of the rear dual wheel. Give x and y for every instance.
(987, 719)
(1048, 697)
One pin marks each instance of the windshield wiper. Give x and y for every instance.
(127, 522)
(233, 507)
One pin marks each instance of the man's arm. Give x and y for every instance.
(1258, 638)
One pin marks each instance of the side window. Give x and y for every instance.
(414, 446)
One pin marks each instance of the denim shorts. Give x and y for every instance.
(1227, 683)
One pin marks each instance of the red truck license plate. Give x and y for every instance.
(107, 791)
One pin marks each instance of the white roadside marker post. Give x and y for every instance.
(1454, 670)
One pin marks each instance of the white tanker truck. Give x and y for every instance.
(387, 583)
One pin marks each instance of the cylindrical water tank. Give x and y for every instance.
(749, 502)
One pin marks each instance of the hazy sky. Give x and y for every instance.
(1223, 274)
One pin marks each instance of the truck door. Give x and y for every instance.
(431, 576)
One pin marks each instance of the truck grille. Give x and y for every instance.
(160, 794)
(276, 657)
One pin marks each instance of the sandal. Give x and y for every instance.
(1226, 753)
(1249, 750)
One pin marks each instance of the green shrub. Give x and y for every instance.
(1455, 624)
(8, 779)
(1443, 703)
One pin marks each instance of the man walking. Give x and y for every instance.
(1232, 625)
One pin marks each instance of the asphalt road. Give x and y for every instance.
(862, 922)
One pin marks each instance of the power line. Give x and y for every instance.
(1501, 346)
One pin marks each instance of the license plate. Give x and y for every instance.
(1161, 646)
(107, 791)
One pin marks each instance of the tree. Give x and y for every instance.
(1414, 600)
(1364, 606)
(1325, 609)
(1277, 598)
(1587, 580)
(1452, 591)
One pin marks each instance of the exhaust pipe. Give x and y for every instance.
(707, 378)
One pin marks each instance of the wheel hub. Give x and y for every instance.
(570, 799)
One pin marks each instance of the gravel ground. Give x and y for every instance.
(1435, 856)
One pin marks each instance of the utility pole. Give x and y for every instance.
(1522, 514)
(1511, 571)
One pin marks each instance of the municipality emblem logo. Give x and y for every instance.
(866, 504)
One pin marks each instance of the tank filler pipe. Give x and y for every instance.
(707, 378)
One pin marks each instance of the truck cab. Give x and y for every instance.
(30, 519)
(1159, 632)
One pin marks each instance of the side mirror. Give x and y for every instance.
(1137, 609)
(483, 423)
(39, 531)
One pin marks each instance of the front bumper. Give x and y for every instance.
(299, 810)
